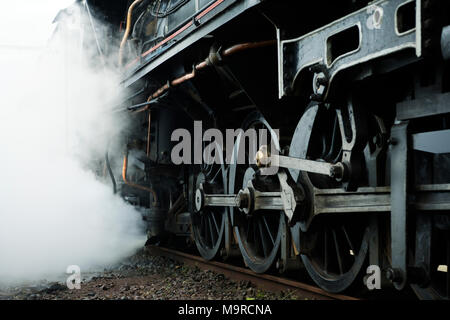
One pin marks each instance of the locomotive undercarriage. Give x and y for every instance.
(363, 108)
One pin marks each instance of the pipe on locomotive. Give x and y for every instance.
(212, 59)
(108, 166)
(148, 134)
(134, 185)
(127, 30)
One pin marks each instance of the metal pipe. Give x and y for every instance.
(139, 107)
(127, 30)
(134, 185)
(249, 45)
(205, 63)
(108, 166)
(148, 134)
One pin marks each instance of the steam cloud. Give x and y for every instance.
(54, 212)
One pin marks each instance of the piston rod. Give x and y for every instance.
(247, 200)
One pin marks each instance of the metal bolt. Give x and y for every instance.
(321, 81)
(242, 200)
(199, 196)
(262, 157)
(393, 275)
(337, 172)
(392, 141)
(376, 140)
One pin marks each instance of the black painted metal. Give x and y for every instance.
(445, 42)
(423, 107)
(433, 141)
(399, 192)
(190, 36)
(378, 37)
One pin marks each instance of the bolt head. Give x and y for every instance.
(242, 200)
(199, 200)
(393, 275)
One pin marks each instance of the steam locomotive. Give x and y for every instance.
(355, 98)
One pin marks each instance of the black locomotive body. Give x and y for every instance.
(359, 91)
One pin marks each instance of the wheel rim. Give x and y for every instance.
(336, 246)
(338, 254)
(208, 225)
(258, 235)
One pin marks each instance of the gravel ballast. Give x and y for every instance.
(147, 277)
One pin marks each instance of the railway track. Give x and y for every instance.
(261, 281)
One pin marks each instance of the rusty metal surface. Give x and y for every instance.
(262, 281)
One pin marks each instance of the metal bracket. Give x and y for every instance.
(375, 30)
(287, 196)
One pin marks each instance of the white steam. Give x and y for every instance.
(53, 212)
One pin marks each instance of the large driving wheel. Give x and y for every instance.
(208, 225)
(334, 247)
(258, 234)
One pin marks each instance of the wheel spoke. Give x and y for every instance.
(211, 232)
(255, 239)
(202, 226)
(325, 253)
(348, 240)
(215, 222)
(219, 169)
(337, 252)
(448, 264)
(248, 230)
(268, 230)
(205, 230)
(263, 239)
